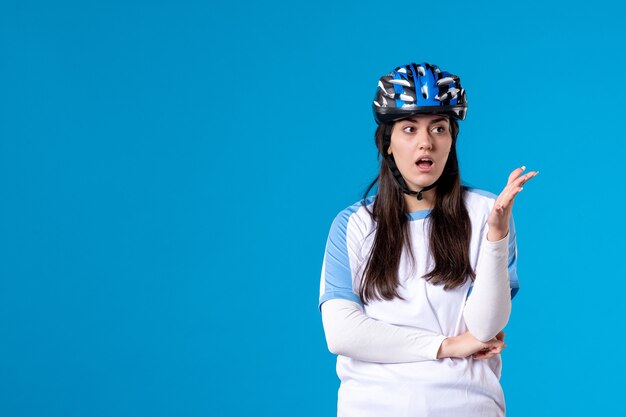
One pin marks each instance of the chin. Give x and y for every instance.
(423, 182)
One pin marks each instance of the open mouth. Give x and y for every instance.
(424, 163)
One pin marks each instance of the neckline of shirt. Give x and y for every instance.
(419, 214)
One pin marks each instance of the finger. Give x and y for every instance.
(519, 182)
(497, 350)
(496, 347)
(484, 351)
(506, 198)
(515, 186)
(492, 341)
(515, 174)
(483, 356)
(492, 352)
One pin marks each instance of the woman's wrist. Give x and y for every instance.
(445, 350)
(494, 235)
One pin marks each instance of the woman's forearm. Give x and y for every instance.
(350, 332)
(488, 307)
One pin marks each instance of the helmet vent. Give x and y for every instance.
(401, 82)
(449, 95)
(384, 90)
(445, 81)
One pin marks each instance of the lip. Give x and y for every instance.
(428, 168)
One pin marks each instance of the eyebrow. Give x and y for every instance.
(437, 120)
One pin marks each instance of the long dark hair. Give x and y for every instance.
(450, 229)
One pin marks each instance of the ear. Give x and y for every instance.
(389, 150)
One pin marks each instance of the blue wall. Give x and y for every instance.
(169, 171)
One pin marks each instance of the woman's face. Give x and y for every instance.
(420, 146)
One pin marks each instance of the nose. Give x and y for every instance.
(424, 140)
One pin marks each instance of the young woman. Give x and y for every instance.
(417, 280)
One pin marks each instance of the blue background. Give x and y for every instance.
(169, 171)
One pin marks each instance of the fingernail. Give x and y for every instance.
(523, 167)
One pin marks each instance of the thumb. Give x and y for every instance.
(495, 342)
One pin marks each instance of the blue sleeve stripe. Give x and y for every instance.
(337, 272)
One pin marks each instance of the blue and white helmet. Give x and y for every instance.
(418, 89)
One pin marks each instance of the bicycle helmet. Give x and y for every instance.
(418, 89)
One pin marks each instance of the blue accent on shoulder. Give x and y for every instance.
(338, 274)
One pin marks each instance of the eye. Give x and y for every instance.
(408, 129)
(439, 129)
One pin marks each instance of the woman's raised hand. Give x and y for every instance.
(501, 214)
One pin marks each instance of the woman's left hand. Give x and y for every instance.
(491, 351)
(501, 214)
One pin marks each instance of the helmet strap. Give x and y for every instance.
(396, 172)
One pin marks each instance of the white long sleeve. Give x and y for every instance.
(350, 332)
(488, 308)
